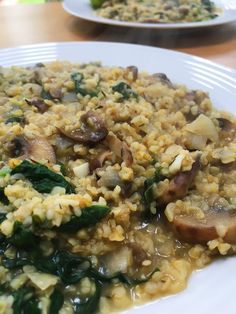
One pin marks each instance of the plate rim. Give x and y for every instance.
(65, 43)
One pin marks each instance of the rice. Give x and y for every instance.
(106, 170)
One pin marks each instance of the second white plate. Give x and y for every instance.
(83, 10)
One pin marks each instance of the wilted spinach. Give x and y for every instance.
(78, 79)
(20, 120)
(56, 301)
(125, 90)
(71, 269)
(25, 302)
(89, 217)
(3, 198)
(148, 195)
(42, 178)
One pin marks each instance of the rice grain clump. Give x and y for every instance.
(156, 11)
(114, 186)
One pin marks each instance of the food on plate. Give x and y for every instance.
(156, 11)
(115, 185)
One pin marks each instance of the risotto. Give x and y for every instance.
(115, 185)
(156, 11)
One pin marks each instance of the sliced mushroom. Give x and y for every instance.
(162, 78)
(39, 104)
(92, 129)
(226, 125)
(120, 149)
(134, 70)
(36, 149)
(179, 185)
(99, 160)
(215, 224)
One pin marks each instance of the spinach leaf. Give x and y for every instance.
(125, 90)
(209, 5)
(96, 4)
(22, 237)
(2, 217)
(3, 198)
(148, 196)
(20, 120)
(4, 171)
(42, 178)
(78, 80)
(56, 301)
(90, 304)
(25, 302)
(89, 217)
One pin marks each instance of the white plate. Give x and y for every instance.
(82, 9)
(211, 290)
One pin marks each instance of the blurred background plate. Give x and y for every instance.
(83, 10)
(210, 290)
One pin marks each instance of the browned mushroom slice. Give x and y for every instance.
(215, 224)
(120, 149)
(99, 160)
(92, 129)
(36, 149)
(41, 149)
(39, 104)
(160, 77)
(180, 184)
(134, 71)
(226, 125)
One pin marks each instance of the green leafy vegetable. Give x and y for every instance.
(22, 237)
(71, 269)
(41, 177)
(2, 217)
(96, 4)
(90, 304)
(125, 90)
(25, 302)
(148, 196)
(56, 301)
(4, 171)
(3, 198)
(20, 120)
(89, 217)
(78, 79)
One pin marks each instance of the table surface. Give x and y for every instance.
(29, 24)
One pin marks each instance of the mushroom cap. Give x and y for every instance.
(221, 224)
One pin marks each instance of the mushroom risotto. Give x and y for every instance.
(115, 185)
(156, 11)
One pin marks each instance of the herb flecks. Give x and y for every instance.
(125, 90)
(148, 194)
(78, 79)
